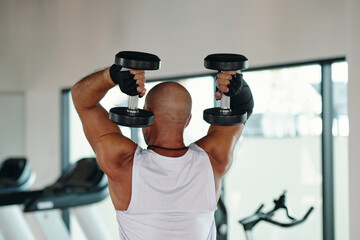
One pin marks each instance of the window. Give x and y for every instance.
(279, 151)
(285, 146)
(288, 102)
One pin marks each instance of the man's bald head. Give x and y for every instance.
(170, 102)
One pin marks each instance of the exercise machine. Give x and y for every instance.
(15, 176)
(250, 222)
(221, 220)
(82, 184)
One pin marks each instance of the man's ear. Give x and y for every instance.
(188, 121)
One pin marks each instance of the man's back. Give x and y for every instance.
(172, 197)
(160, 195)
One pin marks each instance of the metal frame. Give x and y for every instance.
(65, 139)
(327, 137)
(327, 152)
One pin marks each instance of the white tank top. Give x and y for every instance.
(172, 197)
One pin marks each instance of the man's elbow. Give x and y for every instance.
(75, 94)
(74, 90)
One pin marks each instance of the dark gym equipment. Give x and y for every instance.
(81, 184)
(250, 222)
(15, 175)
(226, 62)
(224, 115)
(221, 220)
(131, 116)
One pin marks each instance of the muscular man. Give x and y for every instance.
(168, 191)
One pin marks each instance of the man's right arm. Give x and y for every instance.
(220, 141)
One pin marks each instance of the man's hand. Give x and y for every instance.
(222, 82)
(130, 82)
(139, 77)
(237, 89)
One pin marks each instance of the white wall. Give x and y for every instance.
(48, 45)
(353, 58)
(12, 125)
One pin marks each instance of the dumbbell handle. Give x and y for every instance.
(225, 101)
(133, 100)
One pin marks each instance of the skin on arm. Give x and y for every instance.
(114, 151)
(220, 141)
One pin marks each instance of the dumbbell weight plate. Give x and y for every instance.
(137, 60)
(131, 116)
(226, 62)
(125, 117)
(214, 116)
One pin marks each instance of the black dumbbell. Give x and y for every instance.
(224, 115)
(131, 116)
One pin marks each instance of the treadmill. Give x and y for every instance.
(15, 176)
(80, 185)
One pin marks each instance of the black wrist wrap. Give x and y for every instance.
(243, 100)
(124, 79)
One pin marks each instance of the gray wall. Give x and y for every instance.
(353, 58)
(48, 45)
(12, 122)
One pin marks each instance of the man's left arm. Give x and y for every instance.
(112, 149)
